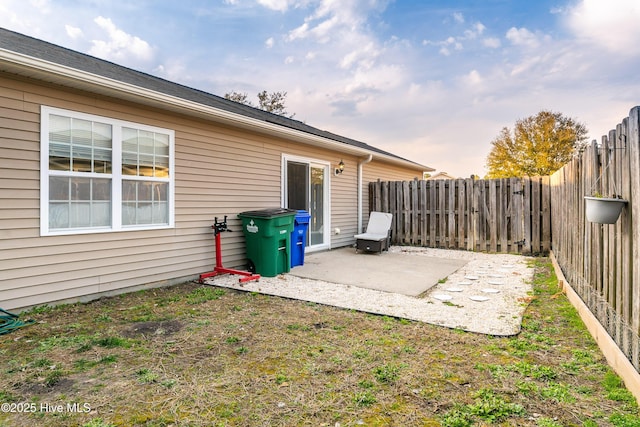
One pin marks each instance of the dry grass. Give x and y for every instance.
(191, 355)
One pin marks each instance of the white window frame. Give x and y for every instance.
(326, 196)
(116, 175)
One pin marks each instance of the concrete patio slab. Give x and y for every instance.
(388, 272)
(488, 295)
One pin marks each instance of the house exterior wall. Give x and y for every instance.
(219, 171)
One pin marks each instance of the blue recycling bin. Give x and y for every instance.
(299, 237)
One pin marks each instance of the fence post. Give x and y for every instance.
(626, 239)
(633, 143)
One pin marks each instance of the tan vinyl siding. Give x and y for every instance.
(344, 202)
(219, 171)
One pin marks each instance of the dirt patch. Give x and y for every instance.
(41, 386)
(151, 329)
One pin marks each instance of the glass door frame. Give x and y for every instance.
(326, 196)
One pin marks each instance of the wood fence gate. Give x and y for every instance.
(510, 215)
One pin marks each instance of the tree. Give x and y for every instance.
(538, 146)
(273, 102)
(242, 98)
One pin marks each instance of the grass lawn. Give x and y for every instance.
(192, 355)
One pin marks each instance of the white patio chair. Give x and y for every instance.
(377, 237)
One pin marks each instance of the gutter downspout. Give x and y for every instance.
(360, 164)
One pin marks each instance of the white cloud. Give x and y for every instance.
(44, 6)
(458, 17)
(492, 42)
(473, 78)
(73, 32)
(613, 25)
(174, 70)
(455, 42)
(279, 5)
(382, 78)
(333, 19)
(120, 47)
(23, 16)
(269, 43)
(351, 64)
(522, 37)
(299, 33)
(363, 57)
(447, 45)
(322, 32)
(476, 30)
(526, 65)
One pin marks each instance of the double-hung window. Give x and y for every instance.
(100, 174)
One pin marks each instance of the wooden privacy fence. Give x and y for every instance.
(602, 262)
(497, 215)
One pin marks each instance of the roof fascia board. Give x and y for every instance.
(158, 99)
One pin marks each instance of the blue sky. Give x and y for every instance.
(432, 81)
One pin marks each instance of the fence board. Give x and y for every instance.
(625, 285)
(414, 219)
(492, 211)
(517, 219)
(546, 214)
(461, 215)
(481, 219)
(503, 202)
(526, 215)
(634, 166)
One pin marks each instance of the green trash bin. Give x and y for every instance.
(268, 238)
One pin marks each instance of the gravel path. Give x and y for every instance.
(488, 295)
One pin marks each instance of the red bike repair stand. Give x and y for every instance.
(219, 227)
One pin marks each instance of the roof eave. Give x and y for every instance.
(47, 71)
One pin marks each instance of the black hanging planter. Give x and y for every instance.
(603, 210)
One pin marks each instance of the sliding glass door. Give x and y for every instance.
(306, 187)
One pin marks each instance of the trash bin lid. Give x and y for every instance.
(268, 213)
(302, 217)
